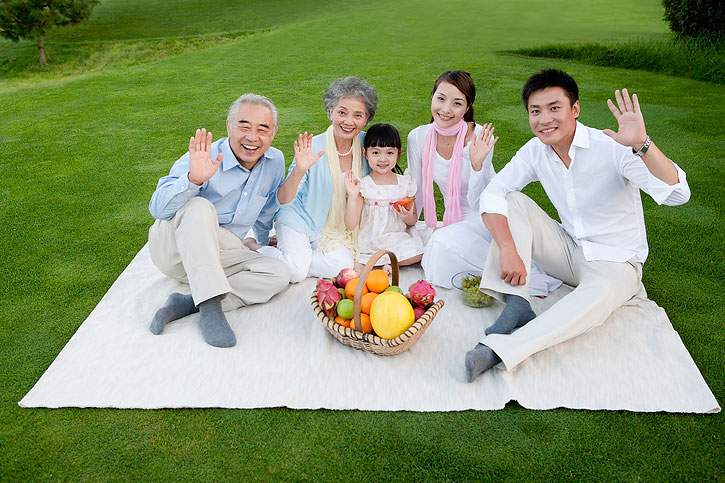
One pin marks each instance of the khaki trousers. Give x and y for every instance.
(600, 286)
(192, 248)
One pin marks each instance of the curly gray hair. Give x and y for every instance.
(351, 87)
(252, 99)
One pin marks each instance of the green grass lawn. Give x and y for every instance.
(81, 153)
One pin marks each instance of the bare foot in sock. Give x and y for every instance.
(251, 243)
(478, 360)
(214, 325)
(176, 306)
(517, 313)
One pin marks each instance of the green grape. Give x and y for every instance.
(471, 295)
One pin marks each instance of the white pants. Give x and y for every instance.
(463, 246)
(600, 286)
(297, 250)
(191, 247)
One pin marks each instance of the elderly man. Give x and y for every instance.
(212, 197)
(594, 179)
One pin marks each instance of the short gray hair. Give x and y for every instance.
(351, 87)
(252, 99)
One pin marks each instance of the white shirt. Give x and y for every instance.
(597, 198)
(472, 182)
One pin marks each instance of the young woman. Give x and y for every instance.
(455, 153)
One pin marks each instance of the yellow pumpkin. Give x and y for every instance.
(391, 314)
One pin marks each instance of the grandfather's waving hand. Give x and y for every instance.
(201, 166)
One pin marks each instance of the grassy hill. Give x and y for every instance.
(82, 146)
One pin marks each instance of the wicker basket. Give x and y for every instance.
(371, 342)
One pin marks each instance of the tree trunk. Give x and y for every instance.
(41, 51)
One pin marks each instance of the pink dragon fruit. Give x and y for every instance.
(328, 296)
(422, 293)
(418, 311)
(345, 275)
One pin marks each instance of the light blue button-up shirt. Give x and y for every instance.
(243, 199)
(307, 212)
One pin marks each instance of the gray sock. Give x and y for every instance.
(176, 306)
(214, 325)
(478, 360)
(517, 313)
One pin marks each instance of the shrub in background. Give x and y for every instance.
(696, 18)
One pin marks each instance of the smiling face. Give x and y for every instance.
(348, 117)
(251, 132)
(382, 160)
(552, 118)
(448, 105)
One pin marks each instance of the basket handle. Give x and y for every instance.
(369, 266)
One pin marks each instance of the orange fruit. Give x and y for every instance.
(350, 288)
(377, 281)
(366, 302)
(343, 322)
(365, 322)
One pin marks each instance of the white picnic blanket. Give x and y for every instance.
(285, 357)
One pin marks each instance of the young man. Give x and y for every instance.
(206, 205)
(593, 179)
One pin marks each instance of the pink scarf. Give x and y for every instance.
(452, 197)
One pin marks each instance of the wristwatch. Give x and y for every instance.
(644, 147)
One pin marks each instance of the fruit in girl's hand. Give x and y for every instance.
(328, 296)
(351, 286)
(394, 288)
(365, 322)
(366, 302)
(406, 202)
(418, 311)
(345, 275)
(377, 281)
(391, 315)
(342, 322)
(422, 293)
(345, 308)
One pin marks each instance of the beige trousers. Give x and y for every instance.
(191, 247)
(600, 286)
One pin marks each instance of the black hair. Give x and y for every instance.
(462, 81)
(550, 78)
(383, 135)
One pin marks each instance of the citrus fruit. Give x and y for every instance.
(365, 322)
(366, 302)
(377, 281)
(350, 288)
(342, 322)
(394, 288)
(345, 308)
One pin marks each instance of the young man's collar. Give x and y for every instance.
(581, 136)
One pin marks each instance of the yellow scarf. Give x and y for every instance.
(334, 234)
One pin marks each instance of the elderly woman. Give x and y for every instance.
(455, 152)
(311, 234)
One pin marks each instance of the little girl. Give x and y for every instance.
(370, 202)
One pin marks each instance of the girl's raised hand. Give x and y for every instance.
(352, 184)
(480, 147)
(304, 159)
